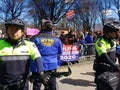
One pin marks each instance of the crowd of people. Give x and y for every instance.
(79, 37)
(84, 39)
(40, 55)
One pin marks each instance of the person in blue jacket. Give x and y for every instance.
(50, 48)
(89, 41)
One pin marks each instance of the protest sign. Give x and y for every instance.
(70, 53)
(31, 31)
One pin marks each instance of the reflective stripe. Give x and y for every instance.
(28, 48)
(14, 57)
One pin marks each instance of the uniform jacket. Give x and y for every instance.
(105, 53)
(14, 60)
(50, 48)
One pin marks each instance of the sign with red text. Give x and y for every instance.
(70, 53)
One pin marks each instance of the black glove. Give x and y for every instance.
(44, 78)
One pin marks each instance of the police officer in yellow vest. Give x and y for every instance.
(15, 53)
(106, 53)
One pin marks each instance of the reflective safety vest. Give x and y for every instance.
(103, 45)
(14, 60)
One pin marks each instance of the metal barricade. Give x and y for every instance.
(87, 50)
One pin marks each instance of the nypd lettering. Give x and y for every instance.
(47, 42)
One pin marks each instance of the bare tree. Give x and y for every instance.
(33, 14)
(102, 7)
(52, 9)
(12, 9)
(86, 14)
(116, 3)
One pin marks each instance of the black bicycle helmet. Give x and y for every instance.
(16, 21)
(112, 26)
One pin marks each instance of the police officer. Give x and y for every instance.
(106, 53)
(15, 53)
(50, 48)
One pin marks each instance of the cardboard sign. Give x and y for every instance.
(70, 53)
(32, 31)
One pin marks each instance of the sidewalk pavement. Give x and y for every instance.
(82, 77)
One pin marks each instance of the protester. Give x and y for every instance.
(89, 43)
(71, 38)
(79, 37)
(62, 36)
(50, 48)
(15, 53)
(104, 64)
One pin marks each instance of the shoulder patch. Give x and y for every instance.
(100, 44)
